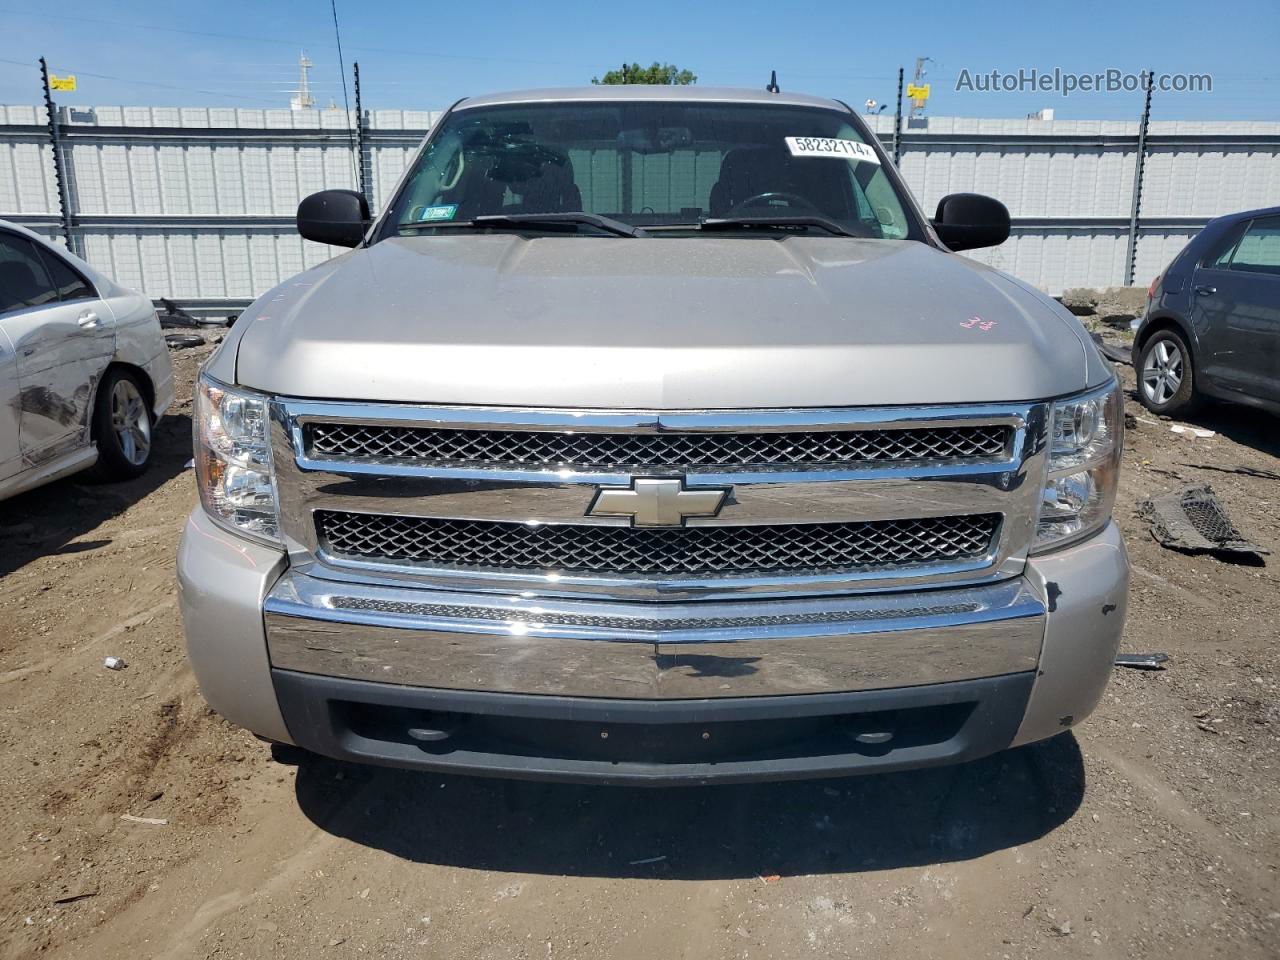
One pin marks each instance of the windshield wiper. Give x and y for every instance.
(799, 222)
(567, 222)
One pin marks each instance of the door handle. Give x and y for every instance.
(88, 320)
(1206, 291)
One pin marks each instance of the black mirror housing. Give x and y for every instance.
(337, 217)
(966, 221)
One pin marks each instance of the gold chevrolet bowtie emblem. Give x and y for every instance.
(657, 502)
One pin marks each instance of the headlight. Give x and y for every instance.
(1082, 466)
(233, 459)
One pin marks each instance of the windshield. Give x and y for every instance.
(651, 164)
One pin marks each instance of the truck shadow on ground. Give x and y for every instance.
(700, 833)
(1247, 426)
(50, 519)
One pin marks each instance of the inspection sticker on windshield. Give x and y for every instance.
(445, 212)
(828, 147)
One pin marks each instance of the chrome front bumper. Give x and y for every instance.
(652, 651)
(329, 670)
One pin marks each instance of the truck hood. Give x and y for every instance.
(664, 323)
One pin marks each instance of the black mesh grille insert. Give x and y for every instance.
(792, 548)
(667, 450)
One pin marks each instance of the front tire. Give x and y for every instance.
(1166, 378)
(123, 427)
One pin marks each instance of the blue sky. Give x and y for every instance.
(426, 55)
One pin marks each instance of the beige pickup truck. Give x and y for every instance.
(650, 436)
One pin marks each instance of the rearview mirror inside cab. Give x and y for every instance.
(966, 221)
(337, 217)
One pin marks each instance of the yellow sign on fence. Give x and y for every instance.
(918, 91)
(67, 83)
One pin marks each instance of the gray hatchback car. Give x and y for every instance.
(1212, 326)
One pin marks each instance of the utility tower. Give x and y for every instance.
(918, 92)
(302, 98)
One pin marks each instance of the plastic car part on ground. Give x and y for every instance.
(1116, 352)
(173, 315)
(1142, 661)
(1193, 520)
(1200, 433)
(183, 341)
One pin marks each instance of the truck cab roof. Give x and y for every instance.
(638, 91)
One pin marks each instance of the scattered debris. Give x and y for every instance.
(1199, 433)
(1193, 520)
(172, 315)
(150, 821)
(114, 663)
(73, 897)
(190, 464)
(1062, 929)
(183, 341)
(1112, 351)
(770, 878)
(1142, 661)
(636, 863)
(1243, 471)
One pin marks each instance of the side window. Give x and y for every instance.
(24, 281)
(66, 280)
(1219, 255)
(1259, 249)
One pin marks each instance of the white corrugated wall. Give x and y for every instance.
(197, 203)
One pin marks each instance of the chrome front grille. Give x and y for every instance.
(499, 500)
(666, 450)
(682, 551)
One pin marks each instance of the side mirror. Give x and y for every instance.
(338, 217)
(965, 221)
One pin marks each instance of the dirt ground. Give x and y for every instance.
(1151, 830)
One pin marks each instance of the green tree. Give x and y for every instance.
(663, 73)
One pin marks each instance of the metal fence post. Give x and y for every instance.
(897, 123)
(1135, 206)
(361, 157)
(55, 141)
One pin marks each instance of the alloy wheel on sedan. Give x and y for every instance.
(131, 422)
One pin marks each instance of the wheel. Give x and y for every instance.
(1166, 380)
(122, 427)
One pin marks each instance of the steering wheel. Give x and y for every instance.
(761, 199)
